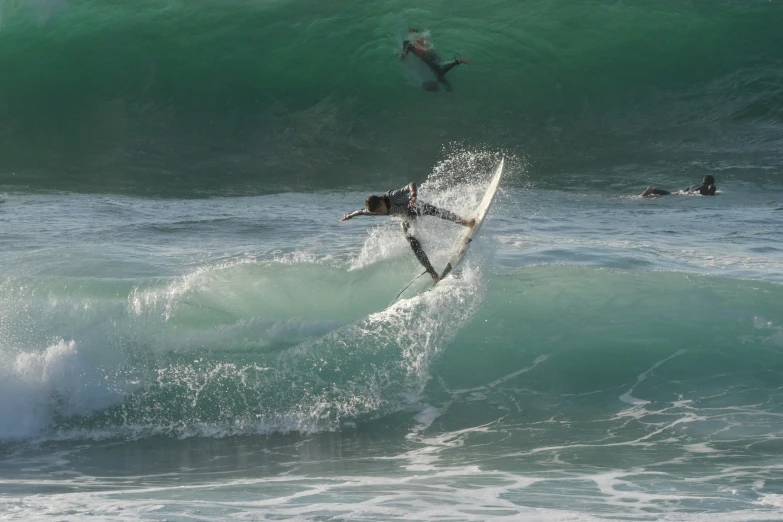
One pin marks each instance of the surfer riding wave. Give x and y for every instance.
(402, 203)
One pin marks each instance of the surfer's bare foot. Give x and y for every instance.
(467, 222)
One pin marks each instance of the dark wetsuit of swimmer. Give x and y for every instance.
(706, 188)
(432, 60)
(397, 202)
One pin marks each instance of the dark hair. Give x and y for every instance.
(709, 179)
(372, 202)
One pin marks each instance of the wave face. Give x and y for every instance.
(203, 356)
(168, 97)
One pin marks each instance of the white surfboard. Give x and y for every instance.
(470, 233)
(481, 213)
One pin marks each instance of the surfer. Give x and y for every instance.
(706, 188)
(402, 203)
(421, 45)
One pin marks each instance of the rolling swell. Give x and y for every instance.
(204, 356)
(584, 343)
(255, 97)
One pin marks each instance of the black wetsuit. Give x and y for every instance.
(702, 188)
(432, 60)
(397, 202)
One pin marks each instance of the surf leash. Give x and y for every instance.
(406, 287)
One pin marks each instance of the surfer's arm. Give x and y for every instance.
(406, 48)
(413, 190)
(360, 212)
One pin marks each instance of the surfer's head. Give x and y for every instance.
(709, 184)
(377, 205)
(420, 40)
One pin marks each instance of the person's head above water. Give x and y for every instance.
(376, 205)
(709, 185)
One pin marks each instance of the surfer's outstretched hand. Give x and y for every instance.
(345, 217)
(467, 222)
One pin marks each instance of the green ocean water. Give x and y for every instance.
(189, 332)
(162, 97)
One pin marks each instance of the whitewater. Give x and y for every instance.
(189, 332)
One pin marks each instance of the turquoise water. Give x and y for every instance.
(188, 332)
(257, 97)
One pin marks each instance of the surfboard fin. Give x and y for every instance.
(446, 271)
